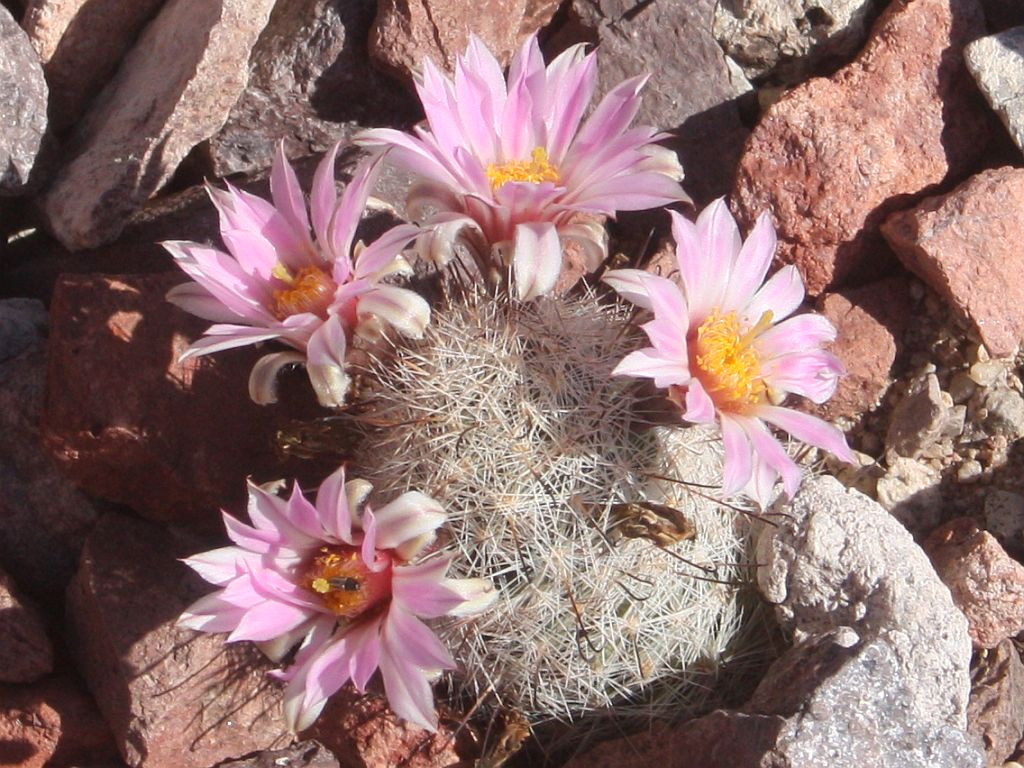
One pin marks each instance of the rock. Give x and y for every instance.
(877, 675)
(787, 41)
(44, 519)
(986, 583)
(172, 696)
(911, 133)
(77, 61)
(131, 424)
(918, 420)
(363, 733)
(996, 710)
(22, 107)
(722, 739)
(404, 34)
(870, 322)
(310, 83)
(840, 562)
(963, 245)
(857, 708)
(304, 754)
(174, 89)
(910, 490)
(1005, 413)
(673, 40)
(25, 650)
(51, 724)
(21, 323)
(997, 64)
(1004, 517)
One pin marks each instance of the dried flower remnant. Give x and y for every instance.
(728, 350)
(311, 290)
(510, 169)
(346, 583)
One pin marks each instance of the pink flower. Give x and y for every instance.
(279, 280)
(351, 587)
(725, 349)
(509, 163)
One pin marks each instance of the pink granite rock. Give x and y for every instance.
(174, 89)
(77, 61)
(966, 247)
(52, 724)
(174, 698)
(870, 322)
(836, 155)
(131, 424)
(362, 732)
(986, 583)
(405, 33)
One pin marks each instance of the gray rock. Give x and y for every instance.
(997, 64)
(311, 84)
(1005, 413)
(910, 490)
(694, 93)
(918, 421)
(22, 322)
(22, 106)
(25, 650)
(44, 519)
(789, 39)
(838, 560)
(174, 89)
(852, 706)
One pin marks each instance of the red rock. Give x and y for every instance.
(173, 90)
(52, 724)
(406, 33)
(304, 754)
(77, 61)
(723, 739)
(174, 698)
(836, 155)
(966, 247)
(986, 583)
(870, 322)
(25, 650)
(129, 423)
(362, 732)
(995, 713)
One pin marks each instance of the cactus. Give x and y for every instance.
(507, 413)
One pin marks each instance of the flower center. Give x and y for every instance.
(536, 170)
(728, 365)
(311, 289)
(341, 579)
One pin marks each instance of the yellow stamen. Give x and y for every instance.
(310, 290)
(727, 362)
(536, 170)
(342, 580)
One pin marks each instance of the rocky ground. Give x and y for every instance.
(884, 137)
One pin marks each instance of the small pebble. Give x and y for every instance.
(986, 372)
(961, 387)
(969, 471)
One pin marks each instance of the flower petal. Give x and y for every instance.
(407, 518)
(263, 376)
(751, 264)
(781, 296)
(404, 310)
(325, 363)
(332, 505)
(700, 408)
(536, 259)
(808, 429)
(738, 461)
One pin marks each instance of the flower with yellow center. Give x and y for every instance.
(728, 351)
(347, 587)
(536, 170)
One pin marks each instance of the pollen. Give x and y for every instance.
(309, 290)
(537, 169)
(728, 365)
(340, 578)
